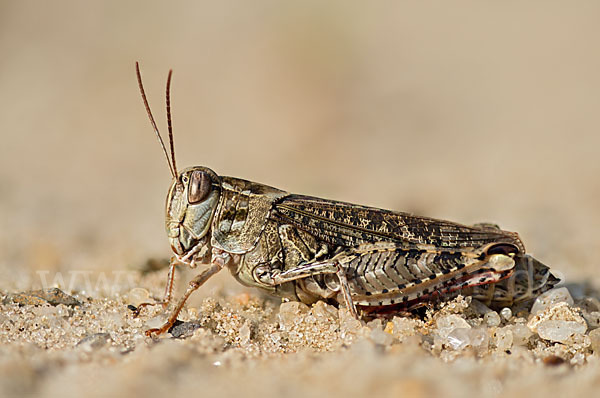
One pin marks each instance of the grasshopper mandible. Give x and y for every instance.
(304, 248)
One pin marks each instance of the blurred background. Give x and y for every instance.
(471, 111)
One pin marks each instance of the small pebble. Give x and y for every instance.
(479, 308)
(245, 333)
(558, 322)
(504, 338)
(592, 318)
(290, 311)
(403, 327)
(445, 325)
(506, 313)
(491, 319)
(94, 342)
(551, 297)
(521, 334)
(560, 331)
(459, 338)
(375, 324)
(553, 360)
(53, 296)
(324, 312)
(184, 329)
(379, 336)
(137, 296)
(348, 324)
(156, 321)
(595, 339)
(479, 339)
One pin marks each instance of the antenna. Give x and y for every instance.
(169, 124)
(154, 126)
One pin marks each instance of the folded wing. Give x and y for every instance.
(346, 224)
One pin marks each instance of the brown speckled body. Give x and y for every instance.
(388, 258)
(306, 248)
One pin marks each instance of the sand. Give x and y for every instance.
(247, 345)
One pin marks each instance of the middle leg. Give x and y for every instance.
(276, 277)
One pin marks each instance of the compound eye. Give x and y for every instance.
(200, 186)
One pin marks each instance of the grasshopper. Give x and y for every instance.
(304, 248)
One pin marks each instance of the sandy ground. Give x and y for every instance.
(467, 111)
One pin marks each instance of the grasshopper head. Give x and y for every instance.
(191, 204)
(194, 193)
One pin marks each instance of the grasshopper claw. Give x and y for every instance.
(164, 328)
(154, 331)
(138, 310)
